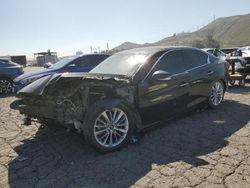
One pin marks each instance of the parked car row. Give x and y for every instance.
(235, 55)
(124, 94)
(82, 63)
(8, 71)
(12, 78)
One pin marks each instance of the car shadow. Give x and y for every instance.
(6, 95)
(15, 104)
(240, 89)
(55, 158)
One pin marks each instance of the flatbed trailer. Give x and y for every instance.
(236, 75)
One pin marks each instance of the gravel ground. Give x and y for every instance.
(206, 149)
(31, 68)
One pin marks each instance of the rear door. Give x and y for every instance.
(201, 74)
(161, 99)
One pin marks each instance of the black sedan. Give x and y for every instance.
(126, 93)
(8, 71)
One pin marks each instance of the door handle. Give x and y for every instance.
(209, 73)
(184, 84)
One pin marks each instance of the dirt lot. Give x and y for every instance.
(206, 149)
(31, 68)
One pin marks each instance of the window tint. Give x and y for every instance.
(98, 59)
(1, 64)
(89, 61)
(4, 63)
(213, 59)
(172, 62)
(194, 58)
(210, 51)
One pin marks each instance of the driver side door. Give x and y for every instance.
(164, 93)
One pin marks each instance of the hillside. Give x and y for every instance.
(229, 31)
(126, 46)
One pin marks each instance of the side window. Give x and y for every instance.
(83, 61)
(194, 58)
(3, 64)
(76, 62)
(96, 60)
(171, 62)
(89, 61)
(213, 59)
(203, 57)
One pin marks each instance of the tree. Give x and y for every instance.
(209, 42)
(198, 44)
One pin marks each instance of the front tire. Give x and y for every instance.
(5, 86)
(216, 94)
(108, 127)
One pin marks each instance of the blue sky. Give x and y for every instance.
(66, 26)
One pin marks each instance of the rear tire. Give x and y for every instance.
(232, 82)
(216, 94)
(242, 82)
(108, 125)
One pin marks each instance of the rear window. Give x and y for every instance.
(213, 59)
(195, 58)
(172, 62)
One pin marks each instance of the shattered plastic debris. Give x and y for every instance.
(20, 158)
(136, 138)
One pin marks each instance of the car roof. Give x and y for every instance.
(83, 55)
(206, 49)
(92, 54)
(153, 49)
(232, 48)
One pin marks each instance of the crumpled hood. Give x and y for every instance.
(42, 72)
(38, 87)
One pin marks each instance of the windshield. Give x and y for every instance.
(121, 63)
(63, 62)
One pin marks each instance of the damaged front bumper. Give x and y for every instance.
(65, 99)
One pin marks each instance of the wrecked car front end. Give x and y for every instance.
(65, 98)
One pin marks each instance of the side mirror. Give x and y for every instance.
(161, 75)
(47, 65)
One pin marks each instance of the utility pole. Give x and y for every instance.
(107, 46)
(91, 49)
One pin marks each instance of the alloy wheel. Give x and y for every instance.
(111, 127)
(217, 93)
(5, 86)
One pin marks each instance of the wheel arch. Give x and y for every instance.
(6, 77)
(224, 84)
(114, 96)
